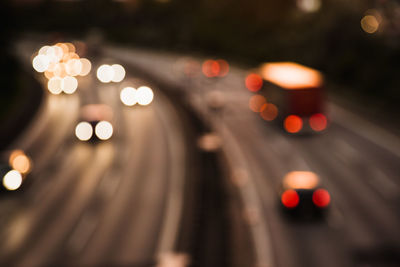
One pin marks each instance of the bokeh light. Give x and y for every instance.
(309, 5)
(370, 23)
(55, 85)
(12, 180)
(223, 67)
(211, 68)
(83, 131)
(71, 47)
(253, 82)
(290, 75)
(103, 130)
(209, 142)
(69, 84)
(256, 102)
(128, 96)
(20, 162)
(269, 112)
(300, 180)
(40, 63)
(318, 122)
(60, 70)
(293, 124)
(290, 198)
(73, 67)
(119, 73)
(105, 73)
(144, 95)
(43, 50)
(86, 67)
(321, 198)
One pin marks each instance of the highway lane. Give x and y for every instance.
(357, 162)
(97, 204)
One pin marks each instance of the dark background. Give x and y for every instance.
(359, 66)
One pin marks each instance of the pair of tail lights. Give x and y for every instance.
(293, 123)
(291, 199)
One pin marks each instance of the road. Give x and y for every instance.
(114, 203)
(125, 202)
(358, 162)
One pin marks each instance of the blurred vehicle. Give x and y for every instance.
(15, 169)
(94, 123)
(302, 196)
(297, 92)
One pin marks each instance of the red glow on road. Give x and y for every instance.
(318, 122)
(290, 198)
(254, 82)
(321, 198)
(293, 124)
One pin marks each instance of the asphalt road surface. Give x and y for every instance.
(115, 203)
(120, 202)
(358, 162)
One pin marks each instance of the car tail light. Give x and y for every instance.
(293, 124)
(290, 198)
(318, 122)
(321, 198)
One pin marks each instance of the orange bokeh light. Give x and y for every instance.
(293, 124)
(269, 112)
(256, 102)
(254, 82)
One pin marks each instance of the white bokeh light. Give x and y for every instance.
(55, 85)
(41, 63)
(104, 130)
(144, 95)
(12, 180)
(119, 73)
(105, 73)
(83, 131)
(69, 84)
(128, 96)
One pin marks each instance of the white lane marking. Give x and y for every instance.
(369, 131)
(175, 198)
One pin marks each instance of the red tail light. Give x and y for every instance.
(293, 124)
(290, 198)
(318, 122)
(321, 198)
(254, 82)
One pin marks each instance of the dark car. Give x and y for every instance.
(302, 195)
